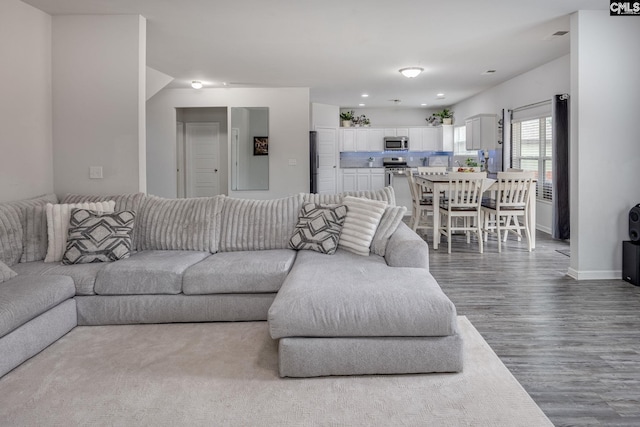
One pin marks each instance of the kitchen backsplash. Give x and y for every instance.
(360, 159)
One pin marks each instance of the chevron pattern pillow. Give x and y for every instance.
(98, 236)
(318, 228)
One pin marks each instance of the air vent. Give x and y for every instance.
(489, 72)
(560, 33)
(555, 35)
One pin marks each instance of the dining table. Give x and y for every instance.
(438, 184)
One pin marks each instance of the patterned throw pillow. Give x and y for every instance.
(58, 225)
(318, 228)
(98, 236)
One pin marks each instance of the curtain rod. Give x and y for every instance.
(535, 104)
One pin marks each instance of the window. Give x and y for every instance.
(532, 152)
(460, 142)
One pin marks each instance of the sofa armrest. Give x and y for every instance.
(406, 249)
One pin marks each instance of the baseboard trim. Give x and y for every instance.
(595, 275)
(543, 229)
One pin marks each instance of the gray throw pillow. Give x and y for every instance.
(5, 272)
(318, 228)
(391, 218)
(98, 236)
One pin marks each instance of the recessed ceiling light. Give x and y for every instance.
(365, 95)
(423, 104)
(360, 105)
(196, 84)
(411, 72)
(440, 95)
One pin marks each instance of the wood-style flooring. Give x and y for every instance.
(573, 345)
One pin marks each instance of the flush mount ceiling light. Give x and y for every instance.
(196, 84)
(411, 72)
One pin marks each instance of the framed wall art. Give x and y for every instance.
(260, 145)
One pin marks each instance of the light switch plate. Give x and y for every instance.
(95, 172)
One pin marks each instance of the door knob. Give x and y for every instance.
(215, 170)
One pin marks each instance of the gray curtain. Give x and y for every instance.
(560, 144)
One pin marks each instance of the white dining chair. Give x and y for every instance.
(502, 213)
(421, 206)
(462, 200)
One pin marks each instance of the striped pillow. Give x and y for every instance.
(250, 225)
(363, 217)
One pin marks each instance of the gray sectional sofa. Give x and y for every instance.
(228, 259)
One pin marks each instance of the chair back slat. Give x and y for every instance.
(432, 170)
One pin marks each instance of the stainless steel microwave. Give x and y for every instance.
(396, 143)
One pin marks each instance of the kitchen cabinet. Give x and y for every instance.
(425, 139)
(482, 132)
(362, 139)
(362, 179)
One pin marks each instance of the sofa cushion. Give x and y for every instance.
(319, 228)
(26, 297)
(58, 225)
(147, 272)
(239, 272)
(324, 296)
(6, 273)
(83, 275)
(179, 224)
(406, 249)
(389, 222)
(363, 217)
(250, 225)
(385, 194)
(98, 236)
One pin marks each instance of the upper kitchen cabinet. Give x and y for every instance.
(482, 132)
(362, 139)
(425, 138)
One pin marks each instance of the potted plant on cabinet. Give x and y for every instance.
(445, 116)
(346, 117)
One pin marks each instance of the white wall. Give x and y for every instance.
(288, 136)
(395, 117)
(605, 146)
(537, 85)
(99, 103)
(26, 159)
(324, 115)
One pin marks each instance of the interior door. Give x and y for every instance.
(202, 142)
(326, 149)
(180, 163)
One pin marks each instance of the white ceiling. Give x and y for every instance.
(342, 49)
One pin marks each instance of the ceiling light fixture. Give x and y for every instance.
(196, 84)
(411, 72)
(365, 95)
(440, 95)
(361, 105)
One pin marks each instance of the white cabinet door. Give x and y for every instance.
(389, 131)
(377, 178)
(363, 179)
(415, 139)
(347, 140)
(482, 132)
(349, 182)
(430, 141)
(446, 137)
(362, 139)
(375, 140)
(402, 132)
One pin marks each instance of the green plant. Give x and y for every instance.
(444, 114)
(347, 115)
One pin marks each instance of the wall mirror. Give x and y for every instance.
(249, 148)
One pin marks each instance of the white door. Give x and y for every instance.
(202, 141)
(326, 148)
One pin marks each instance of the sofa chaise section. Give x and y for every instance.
(335, 318)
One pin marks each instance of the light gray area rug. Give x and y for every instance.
(225, 374)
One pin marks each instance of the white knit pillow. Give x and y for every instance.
(58, 225)
(363, 217)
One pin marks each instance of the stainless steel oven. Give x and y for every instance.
(396, 143)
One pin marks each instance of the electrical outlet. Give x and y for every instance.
(95, 172)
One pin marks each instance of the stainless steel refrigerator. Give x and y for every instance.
(313, 162)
